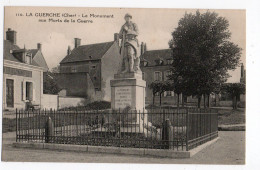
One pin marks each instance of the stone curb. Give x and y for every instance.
(116, 150)
(231, 128)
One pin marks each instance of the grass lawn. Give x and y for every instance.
(230, 116)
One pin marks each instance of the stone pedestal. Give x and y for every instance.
(128, 96)
(128, 90)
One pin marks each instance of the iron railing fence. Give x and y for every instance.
(175, 129)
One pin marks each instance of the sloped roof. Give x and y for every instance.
(7, 47)
(38, 58)
(83, 52)
(153, 55)
(33, 52)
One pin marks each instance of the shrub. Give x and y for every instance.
(97, 105)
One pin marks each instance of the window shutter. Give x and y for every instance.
(160, 74)
(34, 95)
(24, 90)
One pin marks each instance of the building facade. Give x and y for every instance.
(155, 65)
(23, 74)
(88, 69)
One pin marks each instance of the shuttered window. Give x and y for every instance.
(157, 76)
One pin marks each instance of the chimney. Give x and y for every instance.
(116, 37)
(11, 36)
(77, 42)
(145, 47)
(242, 70)
(142, 48)
(68, 51)
(39, 46)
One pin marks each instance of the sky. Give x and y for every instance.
(155, 28)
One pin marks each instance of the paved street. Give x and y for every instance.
(229, 149)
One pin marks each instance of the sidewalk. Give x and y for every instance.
(229, 149)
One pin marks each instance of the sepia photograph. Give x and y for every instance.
(124, 85)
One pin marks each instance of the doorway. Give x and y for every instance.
(10, 92)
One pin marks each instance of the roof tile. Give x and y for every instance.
(83, 53)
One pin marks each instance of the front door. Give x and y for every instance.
(10, 93)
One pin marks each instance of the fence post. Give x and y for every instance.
(187, 130)
(49, 130)
(16, 124)
(28, 135)
(167, 134)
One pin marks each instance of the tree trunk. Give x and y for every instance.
(199, 100)
(160, 99)
(204, 100)
(234, 102)
(209, 101)
(182, 100)
(153, 98)
(178, 97)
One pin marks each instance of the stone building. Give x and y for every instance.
(23, 74)
(86, 70)
(155, 65)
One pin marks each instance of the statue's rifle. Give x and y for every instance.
(122, 49)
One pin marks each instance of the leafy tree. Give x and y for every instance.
(159, 87)
(50, 85)
(234, 89)
(55, 69)
(202, 54)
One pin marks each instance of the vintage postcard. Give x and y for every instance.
(124, 85)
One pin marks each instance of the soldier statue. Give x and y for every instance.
(129, 46)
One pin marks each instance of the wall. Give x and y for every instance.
(36, 79)
(70, 101)
(109, 66)
(75, 84)
(49, 101)
(85, 67)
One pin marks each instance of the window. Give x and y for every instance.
(145, 63)
(29, 91)
(73, 69)
(93, 67)
(28, 59)
(159, 62)
(168, 93)
(169, 61)
(167, 73)
(158, 76)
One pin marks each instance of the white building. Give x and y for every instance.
(23, 74)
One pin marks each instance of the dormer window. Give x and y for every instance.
(169, 61)
(28, 58)
(145, 63)
(159, 62)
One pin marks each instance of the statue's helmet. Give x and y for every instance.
(128, 15)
